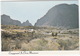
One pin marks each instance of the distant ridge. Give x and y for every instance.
(27, 23)
(6, 20)
(62, 15)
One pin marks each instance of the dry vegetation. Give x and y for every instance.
(29, 38)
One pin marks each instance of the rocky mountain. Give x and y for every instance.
(62, 15)
(27, 23)
(6, 20)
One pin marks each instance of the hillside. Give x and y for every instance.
(62, 15)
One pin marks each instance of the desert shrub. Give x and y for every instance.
(11, 27)
(67, 44)
(8, 35)
(2, 27)
(62, 44)
(54, 34)
(5, 44)
(9, 44)
(40, 44)
(73, 32)
(35, 45)
(5, 34)
(19, 34)
(37, 35)
(52, 45)
(18, 45)
(30, 34)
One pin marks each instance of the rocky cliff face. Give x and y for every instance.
(62, 15)
(6, 20)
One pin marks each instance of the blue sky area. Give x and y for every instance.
(31, 11)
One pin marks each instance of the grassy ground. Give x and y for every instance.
(27, 38)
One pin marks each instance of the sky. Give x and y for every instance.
(31, 11)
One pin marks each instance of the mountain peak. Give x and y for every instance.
(4, 15)
(27, 23)
(62, 15)
(27, 20)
